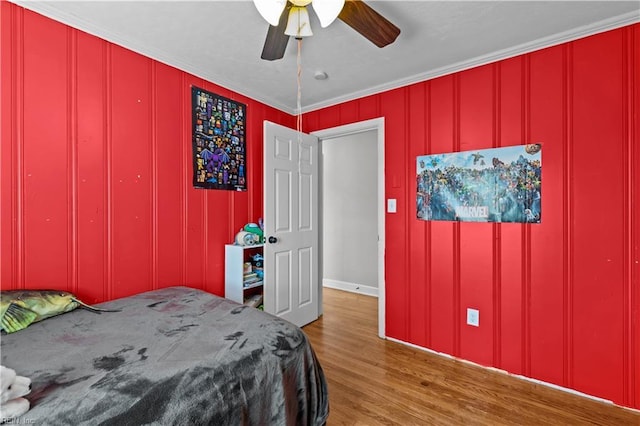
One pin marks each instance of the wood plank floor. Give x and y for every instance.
(377, 382)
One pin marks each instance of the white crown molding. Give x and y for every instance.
(48, 9)
(541, 43)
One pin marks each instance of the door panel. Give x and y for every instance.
(282, 282)
(282, 188)
(290, 216)
(304, 280)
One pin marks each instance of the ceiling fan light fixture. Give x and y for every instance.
(298, 25)
(327, 10)
(270, 10)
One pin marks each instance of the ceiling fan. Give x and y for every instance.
(291, 18)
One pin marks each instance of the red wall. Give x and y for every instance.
(96, 195)
(558, 301)
(95, 168)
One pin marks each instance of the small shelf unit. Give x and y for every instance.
(235, 257)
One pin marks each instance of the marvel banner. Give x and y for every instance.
(488, 185)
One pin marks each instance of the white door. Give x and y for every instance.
(290, 224)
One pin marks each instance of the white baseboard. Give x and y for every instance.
(519, 376)
(367, 290)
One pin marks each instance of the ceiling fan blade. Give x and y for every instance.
(276, 41)
(375, 27)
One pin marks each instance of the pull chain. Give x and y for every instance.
(299, 98)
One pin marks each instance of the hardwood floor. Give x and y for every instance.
(373, 381)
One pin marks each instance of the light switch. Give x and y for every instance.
(391, 205)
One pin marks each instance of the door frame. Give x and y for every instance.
(346, 130)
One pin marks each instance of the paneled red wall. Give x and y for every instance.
(558, 301)
(96, 196)
(95, 168)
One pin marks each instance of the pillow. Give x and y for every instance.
(21, 308)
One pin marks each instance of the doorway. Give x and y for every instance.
(375, 128)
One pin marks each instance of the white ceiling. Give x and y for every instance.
(221, 41)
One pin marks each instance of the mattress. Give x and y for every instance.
(169, 357)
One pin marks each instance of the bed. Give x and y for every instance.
(170, 357)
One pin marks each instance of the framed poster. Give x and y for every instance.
(219, 141)
(488, 185)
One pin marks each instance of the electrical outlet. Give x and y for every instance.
(473, 317)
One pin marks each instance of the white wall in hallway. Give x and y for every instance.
(350, 213)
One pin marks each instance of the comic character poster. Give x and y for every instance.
(219, 153)
(489, 185)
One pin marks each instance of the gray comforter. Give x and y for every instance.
(176, 356)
